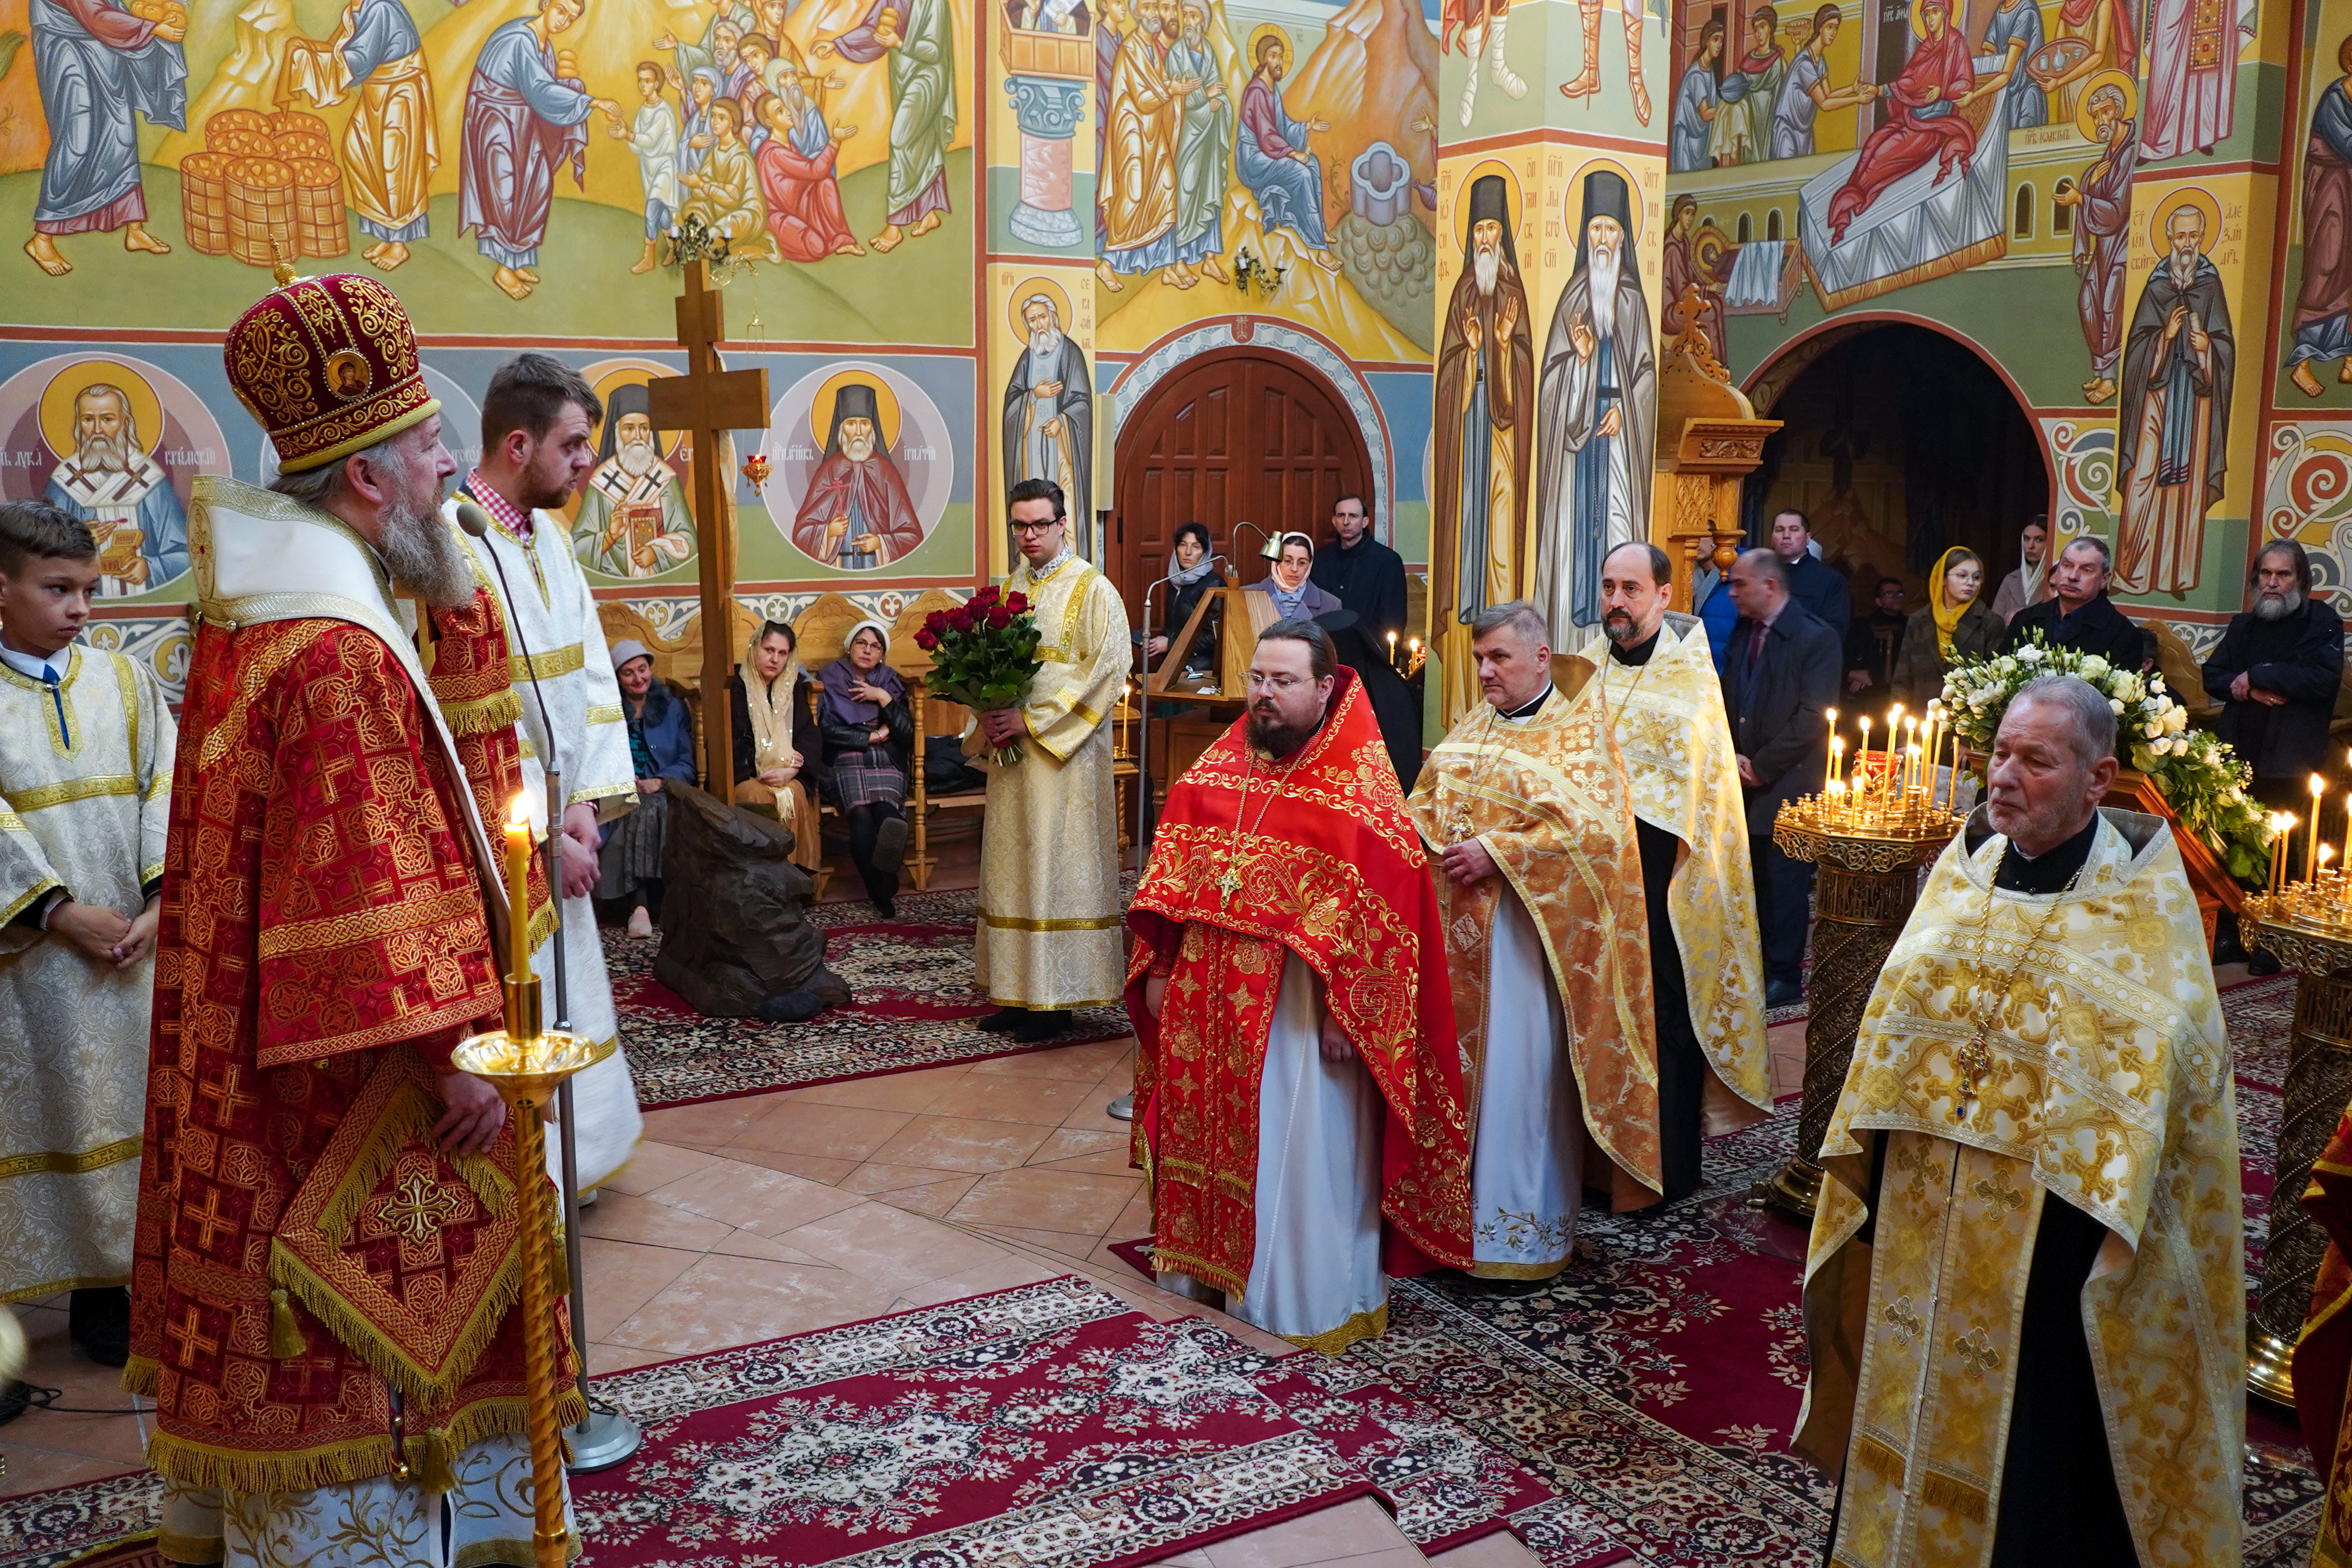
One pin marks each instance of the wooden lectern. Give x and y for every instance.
(1244, 615)
(1709, 440)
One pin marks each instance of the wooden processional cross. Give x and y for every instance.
(707, 403)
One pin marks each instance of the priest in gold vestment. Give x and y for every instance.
(1524, 808)
(1707, 960)
(1047, 939)
(86, 744)
(2025, 1294)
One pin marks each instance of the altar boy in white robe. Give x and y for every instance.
(539, 428)
(1524, 807)
(85, 753)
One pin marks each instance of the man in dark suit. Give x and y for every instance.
(1813, 582)
(2277, 672)
(1362, 573)
(1780, 678)
(2082, 617)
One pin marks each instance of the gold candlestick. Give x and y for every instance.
(526, 1065)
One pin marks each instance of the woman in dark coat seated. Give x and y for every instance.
(1191, 573)
(869, 738)
(661, 746)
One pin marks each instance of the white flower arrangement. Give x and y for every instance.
(2199, 776)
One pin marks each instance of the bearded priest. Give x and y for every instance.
(2025, 1294)
(1707, 960)
(322, 1395)
(1524, 807)
(538, 424)
(1299, 1100)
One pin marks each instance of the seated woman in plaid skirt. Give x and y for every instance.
(869, 736)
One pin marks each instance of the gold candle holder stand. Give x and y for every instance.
(2309, 926)
(1868, 853)
(526, 1064)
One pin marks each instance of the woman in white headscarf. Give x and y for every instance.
(778, 759)
(869, 733)
(2030, 583)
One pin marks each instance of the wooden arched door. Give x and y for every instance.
(1237, 436)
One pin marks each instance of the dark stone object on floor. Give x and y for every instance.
(734, 920)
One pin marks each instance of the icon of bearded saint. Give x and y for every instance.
(857, 515)
(111, 483)
(634, 520)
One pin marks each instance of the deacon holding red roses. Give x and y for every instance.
(1048, 936)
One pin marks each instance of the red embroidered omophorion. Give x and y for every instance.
(1334, 873)
(303, 1245)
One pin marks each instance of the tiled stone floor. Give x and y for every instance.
(743, 1220)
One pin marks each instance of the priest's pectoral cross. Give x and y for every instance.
(707, 403)
(1227, 885)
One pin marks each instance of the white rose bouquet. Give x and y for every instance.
(2199, 776)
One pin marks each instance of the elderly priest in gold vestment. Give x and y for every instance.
(1523, 807)
(1047, 938)
(2025, 1294)
(86, 745)
(1707, 960)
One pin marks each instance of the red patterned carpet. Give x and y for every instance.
(912, 977)
(1048, 1426)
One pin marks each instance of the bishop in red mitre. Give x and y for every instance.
(329, 1237)
(1299, 1092)
(1928, 122)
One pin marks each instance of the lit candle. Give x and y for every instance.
(1861, 757)
(1837, 765)
(519, 889)
(1831, 715)
(2286, 846)
(2311, 839)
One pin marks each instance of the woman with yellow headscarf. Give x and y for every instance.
(1957, 624)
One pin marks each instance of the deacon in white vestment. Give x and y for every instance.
(1524, 807)
(571, 704)
(85, 748)
(1047, 939)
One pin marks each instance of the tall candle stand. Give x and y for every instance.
(1868, 834)
(2309, 926)
(527, 1064)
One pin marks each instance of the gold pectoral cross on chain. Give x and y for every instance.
(1227, 885)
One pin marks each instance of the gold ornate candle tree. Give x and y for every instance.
(1878, 818)
(527, 1064)
(2307, 923)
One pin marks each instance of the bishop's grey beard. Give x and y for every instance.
(636, 458)
(1601, 275)
(104, 454)
(1048, 342)
(1485, 268)
(2277, 606)
(2183, 269)
(422, 552)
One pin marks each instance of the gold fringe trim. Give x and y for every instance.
(371, 1344)
(482, 715)
(195, 1464)
(1879, 1459)
(543, 924)
(140, 1375)
(1331, 1342)
(432, 1460)
(1955, 1496)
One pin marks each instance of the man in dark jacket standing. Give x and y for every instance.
(1820, 587)
(2276, 672)
(2082, 617)
(1363, 574)
(1780, 678)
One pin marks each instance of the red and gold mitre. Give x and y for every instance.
(329, 366)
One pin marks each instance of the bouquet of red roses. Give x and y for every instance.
(984, 653)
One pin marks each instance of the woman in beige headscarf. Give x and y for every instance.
(777, 754)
